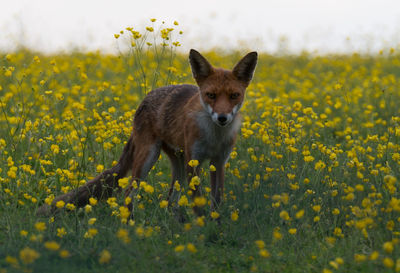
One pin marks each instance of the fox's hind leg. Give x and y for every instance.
(146, 153)
(178, 171)
(177, 160)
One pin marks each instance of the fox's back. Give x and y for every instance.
(161, 113)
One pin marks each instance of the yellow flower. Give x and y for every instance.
(235, 215)
(61, 232)
(214, 215)
(212, 168)
(320, 165)
(193, 163)
(148, 188)
(191, 247)
(300, 214)
(277, 235)
(105, 257)
(60, 204)
(52, 245)
(123, 235)
(359, 258)
(388, 262)
(123, 182)
(70, 207)
(139, 231)
(291, 176)
(308, 158)
(91, 221)
(90, 233)
(330, 240)
(92, 201)
(264, 253)
(388, 247)
(284, 215)
(124, 212)
(11, 260)
(28, 255)
(374, 255)
(316, 208)
(163, 204)
(88, 208)
(40, 226)
(187, 226)
(183, 201)
(179, 248)
(8, 73)
(64, 254)
(55, 148)
(200, 201)
(292, 231)
(195, 181)
(339, 261)
(200, 221)
(112, 202)
(260, 244)
(336, 211)
(99, 168)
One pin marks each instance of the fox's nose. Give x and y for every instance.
(222, 118)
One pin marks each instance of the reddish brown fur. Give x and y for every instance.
(184, 121)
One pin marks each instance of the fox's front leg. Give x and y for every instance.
(217, 178)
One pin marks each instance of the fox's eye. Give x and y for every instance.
(211, 95)
(234, 96)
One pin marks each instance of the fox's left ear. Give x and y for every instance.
(201, 68)
(244, 69)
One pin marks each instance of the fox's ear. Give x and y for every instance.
(244, 69)
(201, 68)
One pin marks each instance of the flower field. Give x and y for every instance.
(312, 185)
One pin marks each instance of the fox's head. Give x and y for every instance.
(222, 91)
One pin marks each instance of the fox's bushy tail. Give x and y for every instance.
(100, 187)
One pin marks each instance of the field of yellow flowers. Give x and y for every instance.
(312, 185)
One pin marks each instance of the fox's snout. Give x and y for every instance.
(223, 119)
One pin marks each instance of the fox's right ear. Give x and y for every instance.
(244, 69)
(201, 68)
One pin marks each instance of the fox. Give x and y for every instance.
(187, 122)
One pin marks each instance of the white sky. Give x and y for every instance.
(322, 25)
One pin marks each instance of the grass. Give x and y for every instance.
(312, 185)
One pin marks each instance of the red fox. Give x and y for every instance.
(187, 122)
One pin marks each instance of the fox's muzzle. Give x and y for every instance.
(222, 119)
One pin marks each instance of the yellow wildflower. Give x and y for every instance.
(105, 257)
(28, 255)
(52, 245)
